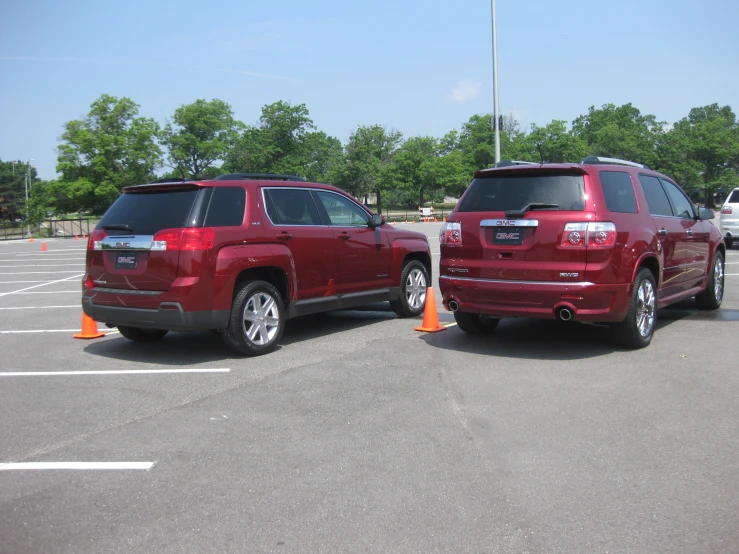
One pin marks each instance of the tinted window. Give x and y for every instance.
(656, 196)
(286, 206)
(733, 197)
(491, 194)
(227, 206)
(618, 191)
(149, 212)
(680, 203)
(342, 211)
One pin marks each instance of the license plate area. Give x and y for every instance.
(508, 236)
(126, 260)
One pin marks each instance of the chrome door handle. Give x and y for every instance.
(662, 233)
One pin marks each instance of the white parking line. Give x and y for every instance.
(51, 331)
(38, 265)
(40, 272)
(40, 307)
(111, 372)
(77, 465)
(52, 292)
(44, 283)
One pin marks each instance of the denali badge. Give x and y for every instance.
(569, 275)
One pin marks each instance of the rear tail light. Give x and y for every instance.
(726, 210)
(451, 234)
(589, 235)
(184, 239)
(94, 241)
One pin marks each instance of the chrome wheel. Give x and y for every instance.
(415, 289)
(261, 318)
(646, 305)
(718, 279)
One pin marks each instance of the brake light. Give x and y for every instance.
(184, 239)
(726, 210)
(589, 235)
(451, 234)
(94, 241)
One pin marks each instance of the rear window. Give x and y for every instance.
(226, 208)
(618, 192)
(733, 197)
(512, 192)
(149, 212)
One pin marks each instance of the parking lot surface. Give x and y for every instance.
(360, 434)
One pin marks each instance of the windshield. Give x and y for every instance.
(511, 192)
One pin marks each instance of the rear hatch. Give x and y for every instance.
(522, 225)
(136, 245)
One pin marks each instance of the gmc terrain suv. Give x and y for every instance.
(605, 241)
(240, 254)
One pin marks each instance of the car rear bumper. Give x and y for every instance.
(538, 299)
(729, 228)
(169, 315)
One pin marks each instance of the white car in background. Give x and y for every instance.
(729, 221)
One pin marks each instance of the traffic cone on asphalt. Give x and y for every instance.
(89, 329)
(430, 317)
(43, 247)
(30, 240)
(76, 237)
(443, 219)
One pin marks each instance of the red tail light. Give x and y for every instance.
(726, 210)
(93, 241)
(184, 239)
(451, 234)
(589, 235)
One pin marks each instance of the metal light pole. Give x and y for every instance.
(496, 116)
(28, 182)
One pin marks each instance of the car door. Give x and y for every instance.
(295, 223)
(671, 234)
(364, 253)
(695, 237)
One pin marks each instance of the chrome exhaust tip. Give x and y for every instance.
(564, 314)
(453, 306)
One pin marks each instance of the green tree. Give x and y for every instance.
(200, 134)
(558, 145)
(111, 148)
(620, 132)
(13, 190)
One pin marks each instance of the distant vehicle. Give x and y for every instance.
(729, 219)
(604, 240)
(241, 254)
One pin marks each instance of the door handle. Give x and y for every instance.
(344, 236)
(284, 235)
(662, 233)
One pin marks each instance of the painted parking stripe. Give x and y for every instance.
(41, 307)
(111, 372)
(51, 292)
(42, 272)
(40, 265)
(77, 465)
(24, 331)
(43, 284)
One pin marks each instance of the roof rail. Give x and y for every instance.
(258, 176)
(509, 163)
(169, 180)
(592, 160)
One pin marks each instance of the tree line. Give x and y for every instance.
(114, 147)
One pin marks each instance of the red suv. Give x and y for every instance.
(241, 254)
(605, 241)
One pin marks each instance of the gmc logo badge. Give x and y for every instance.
(505, 223)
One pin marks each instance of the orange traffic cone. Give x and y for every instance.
(89, 329)
(436, 220)
(444, 219)
(43, 247)
(430, 317)
(30, 240)
(76, 237)
(330, 288)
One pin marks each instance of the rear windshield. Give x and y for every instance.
(149, 212)
(733, 197)
(512, 192)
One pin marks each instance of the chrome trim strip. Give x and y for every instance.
(509, 223)
(127, 291)
(126, 242)
(514, 282)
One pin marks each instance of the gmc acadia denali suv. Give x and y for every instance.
(605, 241)
(240, 254)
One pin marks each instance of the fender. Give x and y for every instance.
(649, 254)
(402, 247)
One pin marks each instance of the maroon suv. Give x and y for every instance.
(605, 240)
(241, 254)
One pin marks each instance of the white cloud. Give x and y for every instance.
(465, 90)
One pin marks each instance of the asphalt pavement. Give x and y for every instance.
(360, 434)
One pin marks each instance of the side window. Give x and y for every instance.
(656, 196)
(618, 191)
(683, 207)
(226, 208)
(342, 211)
(287, 206)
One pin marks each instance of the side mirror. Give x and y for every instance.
(377, 220)
(705, 213)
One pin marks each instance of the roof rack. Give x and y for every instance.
(169, 180)
(258, 176)
(591, 160)
(509, 163)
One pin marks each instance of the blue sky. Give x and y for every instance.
(422, 68)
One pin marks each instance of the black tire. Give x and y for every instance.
(637, 330)
(264, 304)
(729, 243)
(710, 299)
(475, 324)
(137, 334)
(414, 281)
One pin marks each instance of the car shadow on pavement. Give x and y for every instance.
(185, 349)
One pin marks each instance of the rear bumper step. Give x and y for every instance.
(169, 315)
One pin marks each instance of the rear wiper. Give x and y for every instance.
(118, 227)
(527, 208)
